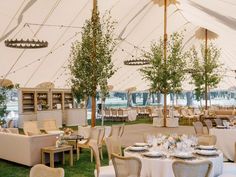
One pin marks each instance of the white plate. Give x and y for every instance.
(140, 144)
(203, 147)
(153, 154)
(206, 152)
(137, 148)
(221, 126)
(183, 155)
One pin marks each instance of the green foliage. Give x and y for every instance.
(3, 100)
(90, 59)
(166, 78)
(200, 67)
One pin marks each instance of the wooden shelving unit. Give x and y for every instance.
(28, 102)
(43, 103)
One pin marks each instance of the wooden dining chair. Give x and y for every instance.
(198, 127)
(207, 140)
(117, 130)
(218, 122)
(100, 171)
(208, 125)
(96, 135)
(113, 145)
(192, 168)
(126, 166)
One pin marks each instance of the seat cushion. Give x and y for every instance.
(106, 171)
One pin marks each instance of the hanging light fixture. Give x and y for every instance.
(137, 62)
(25, 44)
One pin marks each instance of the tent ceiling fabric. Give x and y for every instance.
(139, 22)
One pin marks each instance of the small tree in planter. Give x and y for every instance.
(3, 102)
(90, 59)
(166, 78)
(205, 72)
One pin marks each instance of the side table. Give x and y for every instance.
(51, 150)
(73, 140)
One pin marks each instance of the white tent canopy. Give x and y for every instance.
(139, 22)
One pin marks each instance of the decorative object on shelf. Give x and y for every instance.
(2, 122)
(137, 62)
(59, 140)
(45, 85)
(6, 83)
(25, 44)
(68, 131)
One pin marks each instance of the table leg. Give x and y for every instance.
(52, 159)
(63, 158)
(43, 157)
(71, 157)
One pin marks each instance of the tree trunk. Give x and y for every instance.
(206, 79)
(93, 114)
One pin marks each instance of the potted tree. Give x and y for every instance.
(166, 78)
(90, 59)
(205, 73)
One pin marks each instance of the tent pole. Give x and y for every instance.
(165, 51)
(94, 21)
(206, 78)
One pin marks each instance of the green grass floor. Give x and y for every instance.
(82, 167)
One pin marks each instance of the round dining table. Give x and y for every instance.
(162, 166)
(225, 141)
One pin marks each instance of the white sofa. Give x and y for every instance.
(24, 149)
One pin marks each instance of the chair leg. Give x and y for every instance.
(91, 155)
(101, 153)
(78, 152)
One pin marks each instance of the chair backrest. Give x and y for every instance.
(84, 131)
(117, 130)
(107, 112)
(198, 127)
(120, 112)
(126, 166)
(207, 140)
(192, 169)
(101, 134)
(41, 170)
(31, 127)
(190, 112)
(208, 124)
(10, 124)
(49, 125)
(114, 112)
(113, 145)
(218, 122)
(184, 112)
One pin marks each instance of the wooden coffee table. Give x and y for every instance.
(51, 150)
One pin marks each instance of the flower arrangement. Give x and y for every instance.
(2, 121)
(68, 131)
(174, 141)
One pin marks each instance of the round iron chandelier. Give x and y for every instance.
(25, 44)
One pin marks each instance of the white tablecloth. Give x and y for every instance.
(159, 167)
(226, 139)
